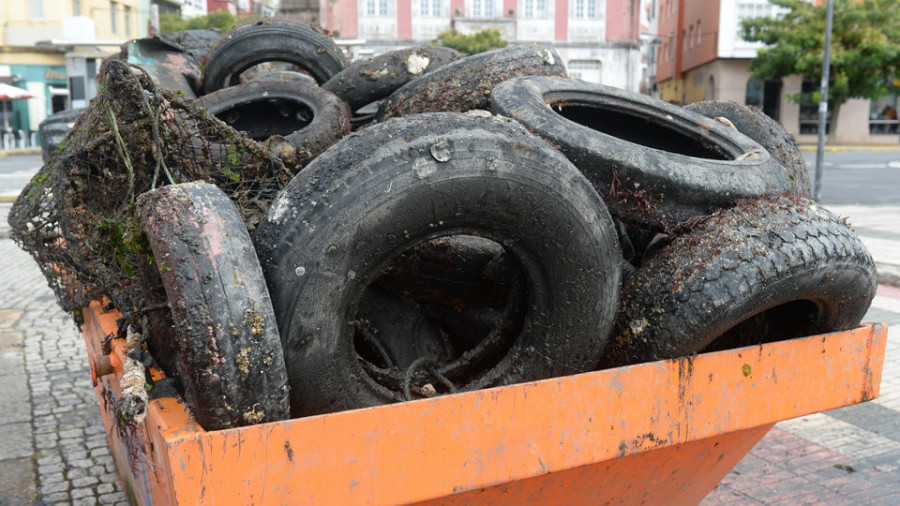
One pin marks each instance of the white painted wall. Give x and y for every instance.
(377, 27)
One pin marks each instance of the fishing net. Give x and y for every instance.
(77, 217)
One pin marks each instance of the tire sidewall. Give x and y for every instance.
(403, 197)
(252, 44)
(675, 187)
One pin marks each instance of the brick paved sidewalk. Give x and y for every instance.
(845, 456)
(53, 444)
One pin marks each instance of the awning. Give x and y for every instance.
(58, 91)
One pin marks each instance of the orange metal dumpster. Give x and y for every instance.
(665, 431)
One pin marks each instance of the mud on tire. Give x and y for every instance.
(364, 82)
(229, 352)
(785, 258)
(466, 84)
(655, 164)
(384, 190)
(769, 133)
(296, 120)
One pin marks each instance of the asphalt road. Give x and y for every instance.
(859, 178)
(15, 172)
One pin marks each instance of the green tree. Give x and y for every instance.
(221, 19)
(865, 48)
(478, 42)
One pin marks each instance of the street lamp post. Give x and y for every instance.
(823, 101)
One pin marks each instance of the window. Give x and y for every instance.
(112, 18)
(35, 9)
(482, 8)
(691, 37)
(586, 70)
(698, 32)
(585, 9)
(126, 11)
(749, 9)
(809, 109)
(430, 8)
(535, 8)
(376, 7)
(883, 115)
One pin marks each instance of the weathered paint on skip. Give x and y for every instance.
(662, 431)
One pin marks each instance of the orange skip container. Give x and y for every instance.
(665, 431)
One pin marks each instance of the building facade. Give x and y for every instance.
(598, 39)
(703, 57)
(34, 55)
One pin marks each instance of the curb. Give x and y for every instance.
(853, 149)
(25, 151)
(888, 274)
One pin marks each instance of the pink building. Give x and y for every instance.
(703, 57)
(239, 8)
(598, 39)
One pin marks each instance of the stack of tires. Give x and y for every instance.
(494, 222)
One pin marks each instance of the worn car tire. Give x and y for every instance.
(196, 43)
(291, 76)
(366, 81)
(757, 125)
(783, 255)
(466, 84)
(298, 120)
(54, 129)
(385, 189)
(264, 41)
(168, 63)
(654, 163)
(230, 360)
(458, 271)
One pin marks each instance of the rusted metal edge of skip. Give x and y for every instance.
(583, 436)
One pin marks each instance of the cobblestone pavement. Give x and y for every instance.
(53, 447)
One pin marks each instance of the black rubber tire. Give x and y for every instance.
(394, 185)
(54, 129)
(466, 84)
(785, 255)
(196, 43)
(297, 120)
(757, 125)
(290, 76)
(367, 81)
(230, 360)
(261, 41)
(655, 164)
(169, 65)
(458, 271)
(402, 328)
